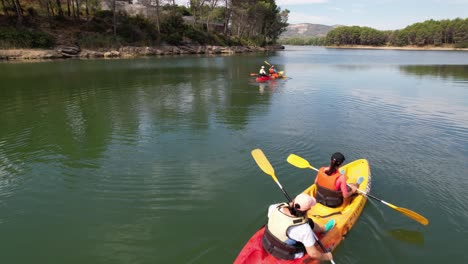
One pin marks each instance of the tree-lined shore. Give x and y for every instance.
(431, 34)
(156, 26)
(49, 29)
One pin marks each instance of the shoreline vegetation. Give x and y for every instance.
(58, 29)
(134, 52)
(64, 52)
(428, 35)
(61, 29)
(434, 48)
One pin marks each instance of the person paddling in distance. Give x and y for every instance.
(272, 70)
(289, 233)
(332, 189)
(262, 71)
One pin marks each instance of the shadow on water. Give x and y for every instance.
(409, 236)
(457, 72)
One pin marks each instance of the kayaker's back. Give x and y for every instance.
(345, 215)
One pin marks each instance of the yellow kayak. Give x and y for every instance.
(347, 214)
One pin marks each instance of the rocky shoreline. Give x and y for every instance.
(65, 52)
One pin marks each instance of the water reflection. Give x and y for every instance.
(261, 87)
(457, 72)
(87, 110)
(270, 86)
(82, 108)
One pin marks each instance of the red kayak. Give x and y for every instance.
(262, 78)
(253, 252)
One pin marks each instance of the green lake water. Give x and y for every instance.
(148, 160)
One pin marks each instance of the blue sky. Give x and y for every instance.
(378, 14)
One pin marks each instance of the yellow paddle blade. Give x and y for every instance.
(266, 62)
(299, 162)
(263, 163)
(281, 72)
(413, 215)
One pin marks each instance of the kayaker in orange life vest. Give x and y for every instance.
(332, 189)
(289, 233)
(273, 69)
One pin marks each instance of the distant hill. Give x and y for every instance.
(306, 30)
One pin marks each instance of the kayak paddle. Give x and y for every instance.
(266, 167)
(266, 62)
(302, 163)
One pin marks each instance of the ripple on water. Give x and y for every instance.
(372, 227)
(12, 165)
(161, 188)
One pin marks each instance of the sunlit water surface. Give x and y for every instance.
(148, 160)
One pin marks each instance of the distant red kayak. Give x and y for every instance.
(262, 78)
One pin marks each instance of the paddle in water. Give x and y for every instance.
(266, 167)
(303, 164)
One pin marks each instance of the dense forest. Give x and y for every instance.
(303, 41)
(109, 23)
(429, 33)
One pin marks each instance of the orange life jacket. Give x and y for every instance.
(272, 71)
(327, 181)
(326, 192)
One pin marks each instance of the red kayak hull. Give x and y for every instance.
(253, 252)
(262, 78)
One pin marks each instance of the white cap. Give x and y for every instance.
(305, 201)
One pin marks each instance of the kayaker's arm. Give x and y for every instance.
(344, 187)
(314, 253)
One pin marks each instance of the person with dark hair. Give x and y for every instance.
(332, 189)
(289, 233)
